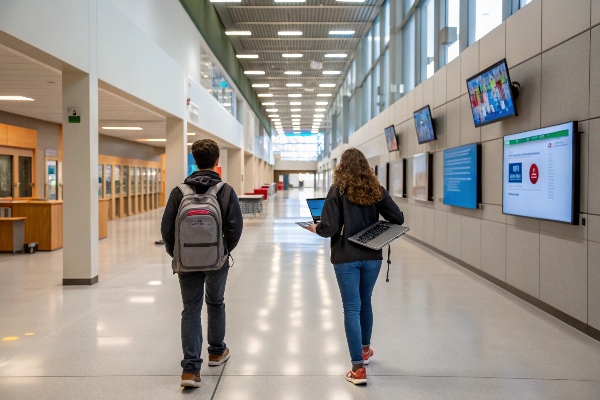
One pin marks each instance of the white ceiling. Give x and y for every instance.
(22, 76)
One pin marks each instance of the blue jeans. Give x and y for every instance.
(192, 292)
(356, 281)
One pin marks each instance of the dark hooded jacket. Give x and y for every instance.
(233, 222)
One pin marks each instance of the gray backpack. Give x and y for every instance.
(199, 241)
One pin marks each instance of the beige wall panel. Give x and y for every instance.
(411, 138)
(523, 259)
(492, 47)
(594, 167)
(453, 81)
(493, 249)
(428, 93)
(471, 241)
(418, 98)
(438, 180)
(402, 132)
(593, 289)
(419, 221)
(524, 34)
(454, 232)
(468, 132)
(439, 87)
(566, 84)
(469, 65)
(440, 230)
(429, 225)
(595, 73)
(595, 12)
(492, 172)
(522, 222)
(563, 274)
(562, 20)
(593, 224)
(439, 121)
(493, 213)
(403, 109)
(453, 109)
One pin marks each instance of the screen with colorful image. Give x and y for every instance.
(397, 178)
(391, 138)
(540, 174)
(424, 125)
(462, 167)
(491, 96)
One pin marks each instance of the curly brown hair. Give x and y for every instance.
(354, 177)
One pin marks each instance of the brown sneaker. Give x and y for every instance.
(190, 380)
(214, 360)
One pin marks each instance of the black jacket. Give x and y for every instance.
(233, 222)
(339, 212)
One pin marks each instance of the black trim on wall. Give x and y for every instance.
(566, 318)
(80, 282)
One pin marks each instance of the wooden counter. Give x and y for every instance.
(12, 234)
(103, 218)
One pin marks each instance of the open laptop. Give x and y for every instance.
(316, 208)
(379, 234)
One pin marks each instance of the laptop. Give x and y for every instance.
(316, 208)
(379, 234)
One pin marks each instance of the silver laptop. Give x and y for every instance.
(379, 234)
(316, 208)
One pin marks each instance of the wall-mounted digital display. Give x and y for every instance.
(491, 95)
(541, 174)
(422, 183)
(391, 138)
(397, 178)
(424, 125)
(462, 176)
(382, 175)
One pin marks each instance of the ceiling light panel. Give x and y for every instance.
(265, 95)
(291, 55)
(321, 103)
(263, 85)
(332, 72)
(336, 55)
(255, 72)
(294, 95)
(15, 98)
(238, 33)
(293, 84)
(293, 72)
(295, 103)
(248, 56)
(324, 95)
(327, 85)
(341, 32)
(268, 103)
(289, 33)
(271, 110)
(296, 110)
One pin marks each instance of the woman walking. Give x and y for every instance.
(354, 202)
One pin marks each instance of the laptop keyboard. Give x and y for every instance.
(372, 233)
(307, 223)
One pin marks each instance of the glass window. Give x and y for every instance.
(386, 22)
(453, 20)
(376, 39)
(488, 15)
(6, 175)
(524, 3)
(125, 181)
(407, 5)
(366, 101)
(117, 180)
(298, 147)
(138, 177)
(367, 51)
(376, 109)
(427, 40)
(132, 180)
(385, 80)
(108, 179)
(100, 175)
(408, 38)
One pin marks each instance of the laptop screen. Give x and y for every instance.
(316, 207)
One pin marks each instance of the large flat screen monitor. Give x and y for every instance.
(424, 125)
(397, 178)
(391, 138)
(462, 176)
(491, 95)
(541, 174)
(422, 183)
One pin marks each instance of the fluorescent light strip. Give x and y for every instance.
(341, 32)
(238, 33)
(254, 72)
(321, 103)
(336, 55)
(289, 33)
(293, 72)
(319, 116)
(265, 95)
(152, 140)
(296, 110)
(331, 72)
(293, 84)
(225, 1)
(273, 115)
(327, 85)
(260, 85)
(350, 1)
(320, 109)
(317, 119)
(290, 1)
(294, 95)
(291, 55)
(276, 120)
(295, 103)
(122, 128)
(249, 56)
(295, 120)
(271, 110)
(296, 116)
(324, 95)
(15, 98)
(269, 103)
(295, 123)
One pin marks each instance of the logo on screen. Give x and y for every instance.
(534, 173)
(515, 174)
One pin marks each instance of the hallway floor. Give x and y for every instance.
(440, 332)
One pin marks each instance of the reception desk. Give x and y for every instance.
(44, 221)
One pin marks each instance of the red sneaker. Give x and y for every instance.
(367, 355)
(358, 378)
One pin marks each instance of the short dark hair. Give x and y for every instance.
(206, 153)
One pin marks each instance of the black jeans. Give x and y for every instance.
(192, 291)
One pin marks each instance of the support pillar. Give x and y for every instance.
(235, 169)
(223, 162)
(176, 152)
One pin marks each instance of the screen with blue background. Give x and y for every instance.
(191, 164)
(490, 94)
(424, 125)
(316, 206)
(461, 176)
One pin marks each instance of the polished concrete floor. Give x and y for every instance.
(440, 332)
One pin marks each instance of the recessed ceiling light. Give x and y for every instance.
(321, 103)
(291, 55)
(122, 128)
(294, 95)
(260, 85)
(295, 123)
(15, 98)
(317, 120)
(254, 72)
(336, 55)
(320, 109)
(289, 33)
(324, 95)
(296, 116)
(293, 84)
(238, 33)
(265, 95)
(295, 120)
(296, 128)
(330, 72)
(296, 110)
(276, 120)
(319, 116)
(249, 56)
(269, 103)
(341, 32)
(295, 103)
(273, 115)
(293, 72)
(271, 110)
(327, 85)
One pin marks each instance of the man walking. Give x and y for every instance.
(193, 284)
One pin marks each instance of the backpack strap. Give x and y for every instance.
(186, 190)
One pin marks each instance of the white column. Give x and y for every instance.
(224, 163)
(176, 151)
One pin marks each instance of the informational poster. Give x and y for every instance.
(382, 175)
(539, 173)
(397, 179)
(461, 176)
(420, 182)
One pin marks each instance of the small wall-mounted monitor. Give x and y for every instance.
(397, 178)
(492, 95)
(422, 183)
(541, 174)
(424, 125)
(462, 176)
(391, 138)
